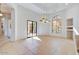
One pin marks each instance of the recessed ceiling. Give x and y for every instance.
(50, 7)
(46, 7)
(31, 7)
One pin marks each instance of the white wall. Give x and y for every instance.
(43, 28)
(22, 16)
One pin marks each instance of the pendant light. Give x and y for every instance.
(0, 11)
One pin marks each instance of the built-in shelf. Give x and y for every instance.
(70, 28)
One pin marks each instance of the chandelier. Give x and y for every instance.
(44, 19)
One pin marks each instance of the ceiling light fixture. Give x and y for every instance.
(44, 19)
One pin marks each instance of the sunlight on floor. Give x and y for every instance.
(36, 38)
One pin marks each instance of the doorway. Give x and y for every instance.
(5, 21)
(31, 28)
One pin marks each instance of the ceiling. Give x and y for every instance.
(38, 7)
(45, 7)
(50, 7)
